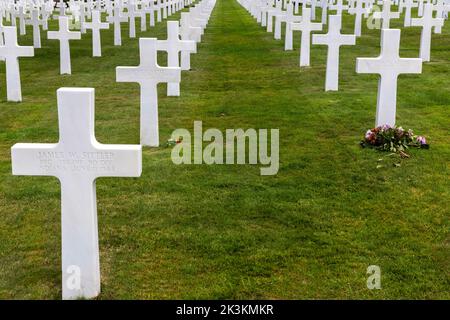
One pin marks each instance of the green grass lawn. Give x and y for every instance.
(224, 231)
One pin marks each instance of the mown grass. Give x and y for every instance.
(224, 231)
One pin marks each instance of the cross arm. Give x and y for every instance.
(296, 26)
(52, 35)
(162, 45)
(410, 65)
(348, 39)
(316, 26)
(26, 51)
(377, 15)
(368, 65)
(190, 45)
(31, 159)
(169, 74)
(320, 39)
(127, 74)
(192, 33)
(120, 160)
(75, 36)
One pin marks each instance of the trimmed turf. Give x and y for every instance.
(224, 231)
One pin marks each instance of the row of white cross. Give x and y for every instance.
(10, 50)
(38, 13)
(77, 160)
(388, 65)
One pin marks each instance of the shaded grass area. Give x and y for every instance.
(224, 231)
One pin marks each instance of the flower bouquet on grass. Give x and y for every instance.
(173, 142)
(393, 139)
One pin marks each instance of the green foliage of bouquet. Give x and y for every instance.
(392, 139)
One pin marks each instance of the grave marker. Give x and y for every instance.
(389, 66)
(96, 25)
(333, 39)
(77, 160)
(173, 46)
(10, 52)
(148, 74)
(64, 35)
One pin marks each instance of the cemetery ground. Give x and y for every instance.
(224, 231)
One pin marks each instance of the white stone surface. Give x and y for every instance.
(22, 15)
(131, 15)
(148, 74)
(188, 32)
(334, 40)
(306, 27)
(64, 35)
(36, 23)
(117, 19)
(290, 17)
(389, 66)
(427, 22)
(10, 52)
(442, 9)
(77, 160)
(358, 10)
(408, 5)
(96, 25)
(173, 46)
(386, 15)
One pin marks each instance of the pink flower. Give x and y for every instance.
(421, 140)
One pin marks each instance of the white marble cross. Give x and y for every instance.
(143, 17)
(151, 8)
(148, 74)
(386, 15)
(339, 7)
(280, 17)
(77, 160)
(35, 22)
(420, 8)
(96, 25)
(173, 46)
(163, 5)
(271, 13)
(408, 5)
(2, 40)
(324, 6)
(82, 16)
(188, 32)
(62, 8)
(22, 15)
(389, 66)
(64, 35)
(10, 52)
(158, 8)
(427, 22)
(117, 18)
(333, 39)
(313, 9)
(441, 9)
(358, 10)
(290, 17)
(305, 26)
(131, 15)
